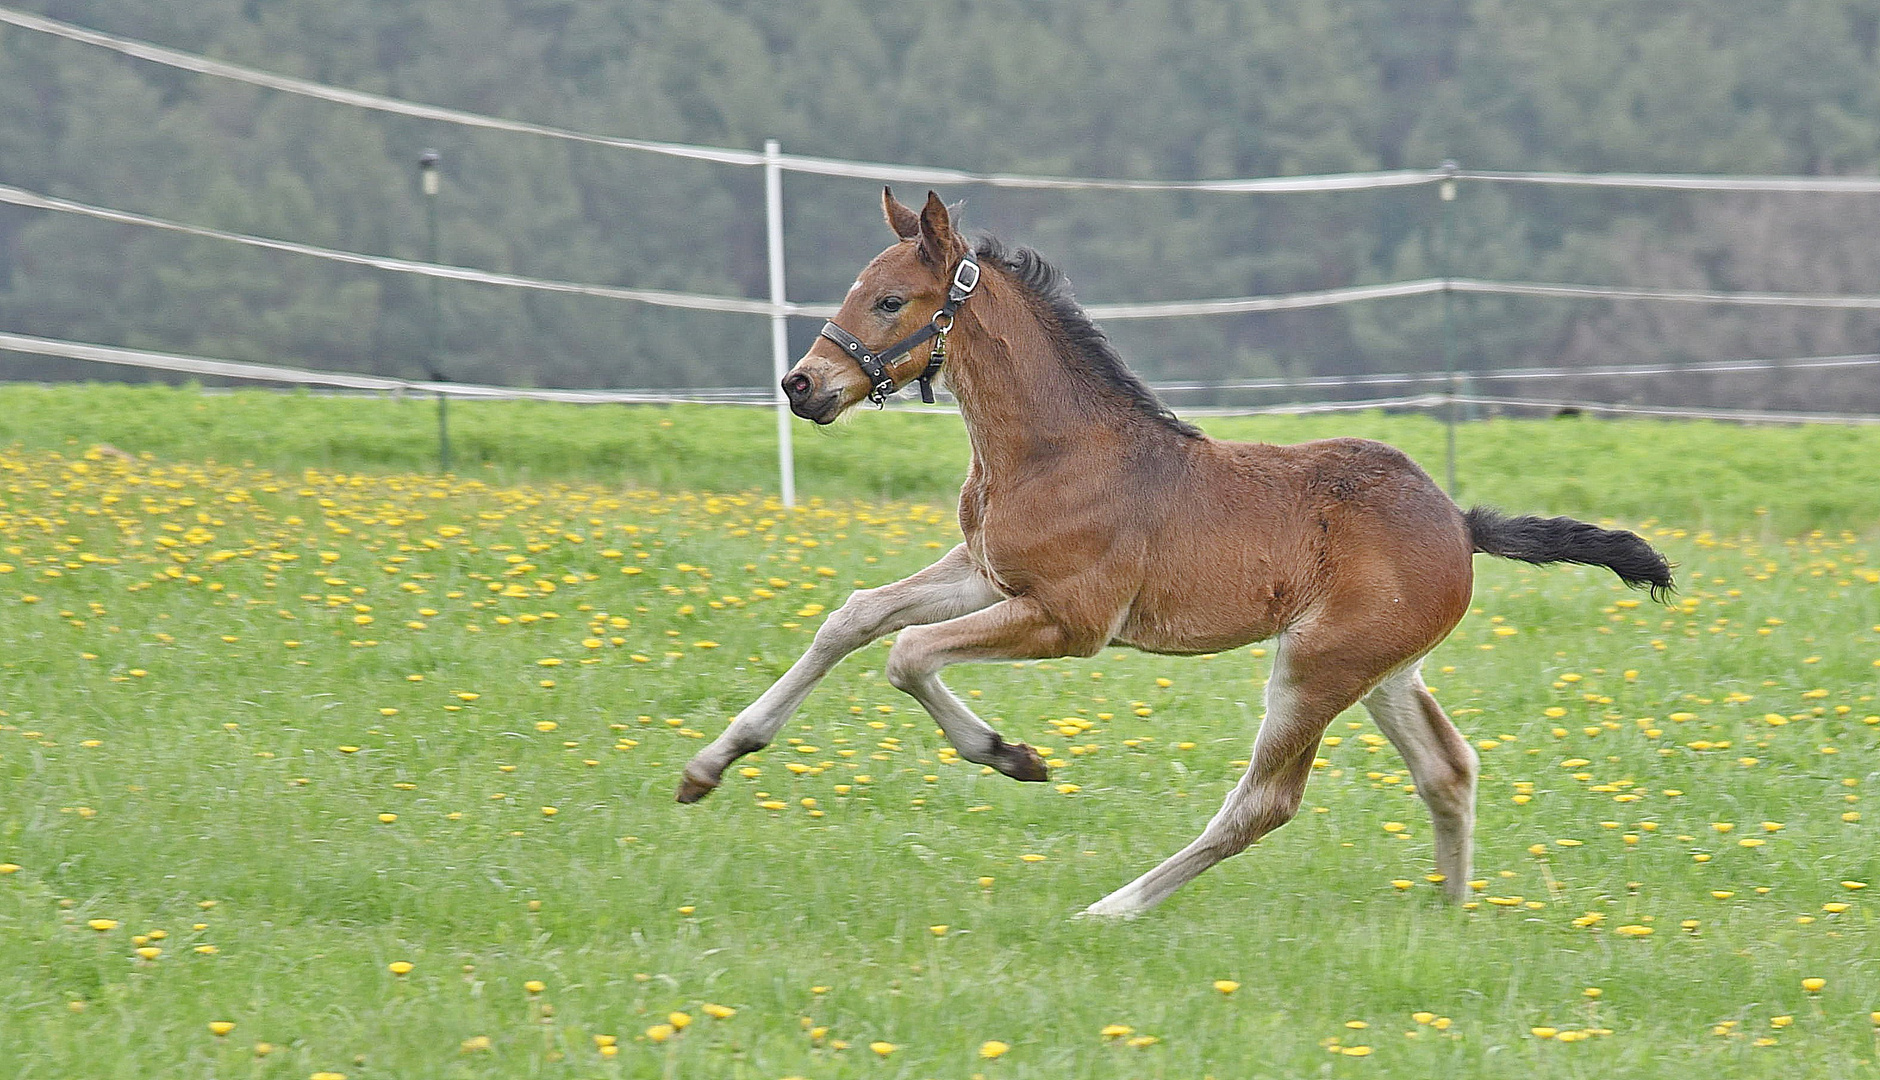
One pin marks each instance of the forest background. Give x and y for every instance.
(1121, 88)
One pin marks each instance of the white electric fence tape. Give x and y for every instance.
(22, 197)
(758, 396)
(234, 369)
(1154, 310)
(203, 65)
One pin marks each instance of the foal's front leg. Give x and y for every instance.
(948, 588)
(1015, 629)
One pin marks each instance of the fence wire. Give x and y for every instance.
(1237, 305)
(869, 170)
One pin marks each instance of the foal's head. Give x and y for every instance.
(895, 296)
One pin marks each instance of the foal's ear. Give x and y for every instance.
(904, 222)
(938, 242)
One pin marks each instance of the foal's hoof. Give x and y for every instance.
(692, 789)
(1021, 762)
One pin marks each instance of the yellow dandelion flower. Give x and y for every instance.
(1814, 986)
(718, 1012)
(1226, 986)
(992, 1048)
(1115, 1031)
(659, 1033)
(534, 986)
(400, 968)
(219, 1028)
(1141, 1041)
(883, 1048)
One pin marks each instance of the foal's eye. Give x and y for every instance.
(890, 304)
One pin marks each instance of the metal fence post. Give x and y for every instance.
(427, 169)
(779, 319)
(1446, 191)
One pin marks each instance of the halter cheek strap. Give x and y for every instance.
(875, 364)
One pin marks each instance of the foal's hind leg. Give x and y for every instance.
(1308, 688)
(945, 590)
(1441, 761)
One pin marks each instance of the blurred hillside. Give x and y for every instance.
(1131, 88)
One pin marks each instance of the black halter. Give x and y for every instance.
(875, 364)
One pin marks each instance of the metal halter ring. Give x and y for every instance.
(942, 321)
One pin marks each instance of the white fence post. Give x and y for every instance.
(779, 321)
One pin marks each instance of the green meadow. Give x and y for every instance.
(315, 763)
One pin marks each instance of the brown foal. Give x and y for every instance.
(1093, 516)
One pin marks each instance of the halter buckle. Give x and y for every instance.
(965, 278)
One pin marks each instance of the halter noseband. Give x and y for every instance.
(875, 364)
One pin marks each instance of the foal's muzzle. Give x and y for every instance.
(805, 402)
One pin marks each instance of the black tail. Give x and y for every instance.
(1561, 539)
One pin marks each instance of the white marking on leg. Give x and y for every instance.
(1011, 630)
(1440, 760)
(945, 590)
(1266, 797)
(971, 736)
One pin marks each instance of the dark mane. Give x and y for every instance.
(1085, 344)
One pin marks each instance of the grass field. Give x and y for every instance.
(269, 734)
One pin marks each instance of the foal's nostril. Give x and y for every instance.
(796, 384)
